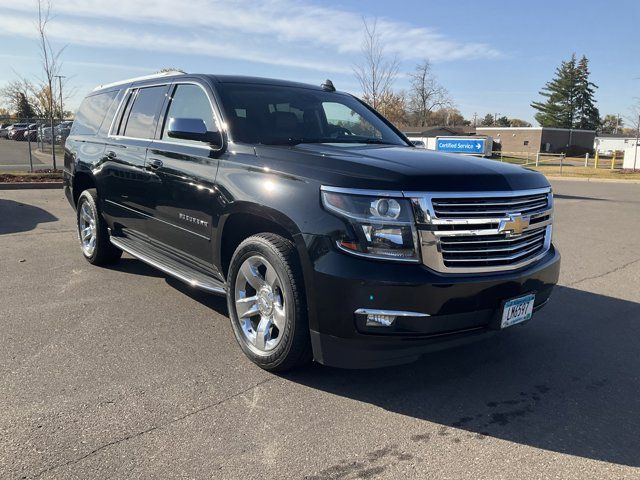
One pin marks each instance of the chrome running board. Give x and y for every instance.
(165, 264)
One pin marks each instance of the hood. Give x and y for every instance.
(398, 168)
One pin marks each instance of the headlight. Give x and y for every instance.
(383, 227)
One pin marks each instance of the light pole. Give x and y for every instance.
(635, 154)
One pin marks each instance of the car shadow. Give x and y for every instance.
(214, 302)
(16, 217)
(566, 382)
(135, 267)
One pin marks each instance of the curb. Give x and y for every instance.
(596, 180)
(30, 185)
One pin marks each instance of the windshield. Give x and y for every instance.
(282, 115)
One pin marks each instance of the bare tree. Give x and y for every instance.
(426, 94)
(376, 72)
(51, 65)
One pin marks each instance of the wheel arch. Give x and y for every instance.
(247, 219)
(82, 180)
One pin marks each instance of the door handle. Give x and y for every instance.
(111, 155)
(154, 164)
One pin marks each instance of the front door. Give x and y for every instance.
(184, 177)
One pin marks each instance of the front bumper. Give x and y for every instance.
(460, 308)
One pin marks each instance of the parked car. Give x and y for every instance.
(331, 236)
(16, 131)
(44, 134)
(31, 133)
(4, 130)
(62, 131)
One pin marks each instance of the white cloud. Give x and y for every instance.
(77, 32)
(293, 33)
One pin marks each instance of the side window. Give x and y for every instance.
(92, 113)
(108, 118)
(341, 118)
(189, 101)
(142, 119)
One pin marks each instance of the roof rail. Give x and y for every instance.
(137, 79)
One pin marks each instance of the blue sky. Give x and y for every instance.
(492, 56)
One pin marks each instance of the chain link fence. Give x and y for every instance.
(30, 144)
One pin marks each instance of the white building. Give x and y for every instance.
(631, 157)
(607, 145)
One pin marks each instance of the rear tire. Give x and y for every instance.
(267, 304)
(92, 231)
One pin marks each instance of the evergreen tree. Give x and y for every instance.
(569, 98)
(559, 109)
(24, 109)
(588, 115)
(502, 121)
(487, 121)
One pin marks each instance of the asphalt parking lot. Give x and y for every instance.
(125, 373)
(14, 156)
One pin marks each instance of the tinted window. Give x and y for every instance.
(281, 115)
(142, 117)
(92, 112)
(108, 118)
(189, 101)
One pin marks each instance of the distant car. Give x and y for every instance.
(62, 131)
(31, 134)
(17, 130)
(4, 130)
(418, 143)
(44, 134)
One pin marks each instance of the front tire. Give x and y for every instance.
(92, 231)
(266, 303)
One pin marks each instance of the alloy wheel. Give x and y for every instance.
(87, 229)
(260, 304)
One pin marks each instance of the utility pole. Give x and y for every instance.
(60, 77)
(475, 116)
(635, 155)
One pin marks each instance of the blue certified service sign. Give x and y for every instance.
(460, 145)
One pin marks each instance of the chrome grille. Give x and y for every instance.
(480, 207)
(483, 232)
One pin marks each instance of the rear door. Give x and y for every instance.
(184, 173)
(128, 198)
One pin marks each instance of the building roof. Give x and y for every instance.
(614, 135)
(536, 128)
(436, 131)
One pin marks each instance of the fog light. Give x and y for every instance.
(380, 320)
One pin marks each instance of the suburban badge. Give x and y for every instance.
(190, 219)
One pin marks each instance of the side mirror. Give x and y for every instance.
(193, 129)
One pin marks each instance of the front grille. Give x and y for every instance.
(482, 207)
(466, 233)
(490, 250)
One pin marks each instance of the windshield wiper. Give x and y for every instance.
(368, 141)
(298, 140)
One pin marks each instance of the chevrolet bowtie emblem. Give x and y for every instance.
(514, 225)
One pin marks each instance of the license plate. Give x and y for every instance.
(517, 310)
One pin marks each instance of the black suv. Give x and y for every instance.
(330, 234)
